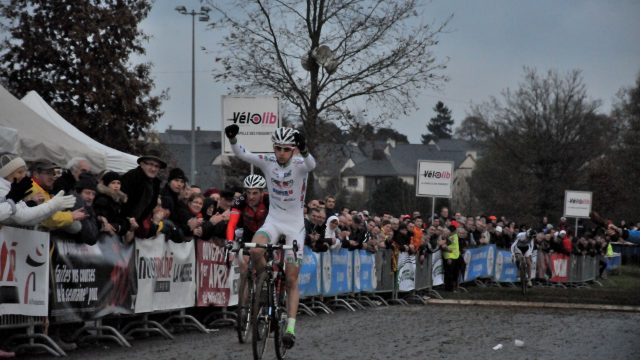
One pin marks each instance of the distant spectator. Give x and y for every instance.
(330, 205)
(85, 190)
(15, 186)
(179, 213)
(142, 187)
(315, 230)
(42, 175)
(109, 204)
(331, 235)
(74, 168)
(444, 214)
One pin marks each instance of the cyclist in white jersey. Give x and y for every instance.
(523, 244)
(286, 177)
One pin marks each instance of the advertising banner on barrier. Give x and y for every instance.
(217, 280)
(309, 279)
(505, 270)
(166, 274)
(437, 271)
(423, 273)
(479, 262)
(613, 262)
(24, 272)
(406, 272)
(337, 266)
(366, 276)
(559, 268)
(91, 281)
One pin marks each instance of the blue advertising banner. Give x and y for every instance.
(309, 278)
(613, 262)
(505, 270)
(479, 262)
(364, 279)
(337, 268)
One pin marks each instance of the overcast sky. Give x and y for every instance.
(488, 44)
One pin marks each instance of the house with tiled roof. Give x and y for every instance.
(401, 161)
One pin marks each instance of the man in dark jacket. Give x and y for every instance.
(142, 187)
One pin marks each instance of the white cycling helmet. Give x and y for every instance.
(254, 182)
(284, 136)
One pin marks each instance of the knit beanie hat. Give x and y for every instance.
(10, 163)
(177, 173)
(110, 176)
(86, 181)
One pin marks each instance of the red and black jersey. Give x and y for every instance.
(244, 216)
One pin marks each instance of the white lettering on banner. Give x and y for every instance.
(560, 267)
(77, 294)
(218, 276)
(305, 278)
(211, 252)
(217, 297)
(338, 259)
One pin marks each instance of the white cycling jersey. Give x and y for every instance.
(287, 185)
(522, 241)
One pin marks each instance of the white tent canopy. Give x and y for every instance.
(113, 159)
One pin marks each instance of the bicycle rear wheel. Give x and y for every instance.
(261, 319)
(281, 318)
(522, 266)
(245, 305)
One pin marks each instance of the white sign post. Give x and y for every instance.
(577, 204)
(257, 117)
(434, 179)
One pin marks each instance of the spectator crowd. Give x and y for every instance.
(81, 204)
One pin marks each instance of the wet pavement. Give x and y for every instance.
(415, 332)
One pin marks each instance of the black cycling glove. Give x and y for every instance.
(231, 131)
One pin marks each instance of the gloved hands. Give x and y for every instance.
(62, 201)
(20, 189)
(231, 131)
(301, 142)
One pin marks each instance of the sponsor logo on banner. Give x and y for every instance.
(559, 268)
(437, 272)
(480, 262)
(356, 271)
(326, 271)
(217, 281)
(166, 274)
(406, 272)
(24, 272)
(92, 281)
(243, 117)
(309, 277)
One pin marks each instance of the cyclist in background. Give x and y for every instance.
(286, 177)
(248, 211)
(523, 245)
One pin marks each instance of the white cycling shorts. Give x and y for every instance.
(292, 232)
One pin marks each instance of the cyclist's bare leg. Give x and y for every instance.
(257, 255)
(528, 260)
(293, 294)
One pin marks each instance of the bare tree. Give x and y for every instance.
(323, 55)
(540, 138)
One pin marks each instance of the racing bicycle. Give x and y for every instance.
(269, 313)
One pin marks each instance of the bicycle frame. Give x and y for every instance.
(270, 315)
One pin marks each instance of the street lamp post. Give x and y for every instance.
(203, 15)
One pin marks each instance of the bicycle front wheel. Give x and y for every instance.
(245, 305)
(281, 319)
(523, 276)
(261, 319)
